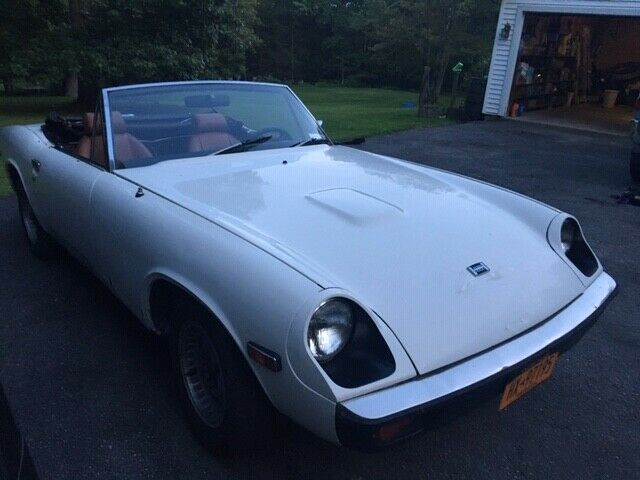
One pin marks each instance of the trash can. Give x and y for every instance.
(609, 98)
(475, 99)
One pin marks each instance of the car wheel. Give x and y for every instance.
(219, 393)
(40, 242)
(635, 166)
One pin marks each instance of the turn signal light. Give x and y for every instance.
(264, 357)
(394, 430)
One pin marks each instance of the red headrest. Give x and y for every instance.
(117, 123)
(87, 123)
(209, 122)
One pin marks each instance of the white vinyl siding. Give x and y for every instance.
(505, 52)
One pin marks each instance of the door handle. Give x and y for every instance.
(36, 165)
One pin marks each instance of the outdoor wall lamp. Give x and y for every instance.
(506, 30)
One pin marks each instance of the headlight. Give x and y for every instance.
(347, 345)
(576, 249)
(568, 235)
(330, 329)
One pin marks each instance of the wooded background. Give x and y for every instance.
(76, 46)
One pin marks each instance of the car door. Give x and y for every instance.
(69, 181)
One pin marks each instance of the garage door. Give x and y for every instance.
(577, 70)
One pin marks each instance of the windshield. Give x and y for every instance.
(163, 122)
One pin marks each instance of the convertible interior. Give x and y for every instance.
(201, 133)
(144, 137)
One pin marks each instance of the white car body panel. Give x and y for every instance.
(262, 238)
(398, 237)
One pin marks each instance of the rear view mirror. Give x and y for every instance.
(320, 123)
(206, 101)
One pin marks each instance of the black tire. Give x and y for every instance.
(634, 166)
(224, 404)
(40, 242)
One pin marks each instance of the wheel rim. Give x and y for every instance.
(201, 373)
(29, 222)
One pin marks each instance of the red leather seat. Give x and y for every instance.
(212, 133)
(126, 146)
(84, 145)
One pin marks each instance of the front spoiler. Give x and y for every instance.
(384, 417)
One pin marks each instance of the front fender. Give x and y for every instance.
(255, 296)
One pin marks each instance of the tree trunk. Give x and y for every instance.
(292, 34)
(74, 13)
(71, 82)
(454, 89)
(8, 85)
(425, 96)
(88, 90)
(444, 63)
(71, 86)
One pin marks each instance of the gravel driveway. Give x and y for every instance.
(91, 391)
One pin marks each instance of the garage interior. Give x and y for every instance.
(581, 71)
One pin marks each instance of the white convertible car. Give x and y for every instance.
(361, 295)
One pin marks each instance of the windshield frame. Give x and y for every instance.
(107, 117)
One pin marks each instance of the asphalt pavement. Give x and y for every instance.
(91, 392)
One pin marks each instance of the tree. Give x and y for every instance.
(32, 37)
(106, 42)
(409, 34)
(291, 34)
(354, 42)
(129, 41)
(372, 42)
(75, 22)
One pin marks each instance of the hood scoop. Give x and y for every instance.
(354, 206)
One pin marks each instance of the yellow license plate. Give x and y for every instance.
(532, 376)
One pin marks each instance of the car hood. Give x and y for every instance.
(398, 236)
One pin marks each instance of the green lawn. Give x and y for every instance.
(25, 110)
(347, 112)
(363, 112)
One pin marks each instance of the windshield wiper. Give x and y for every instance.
(238, 147)
(311, 141)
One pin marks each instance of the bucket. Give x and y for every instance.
(609, 98)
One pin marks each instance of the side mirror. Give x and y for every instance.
(320, 123)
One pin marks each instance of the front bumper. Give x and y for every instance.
(384, 417)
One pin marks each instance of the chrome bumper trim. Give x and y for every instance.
(411, 394)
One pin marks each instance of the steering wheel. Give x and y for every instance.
(278, 133)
